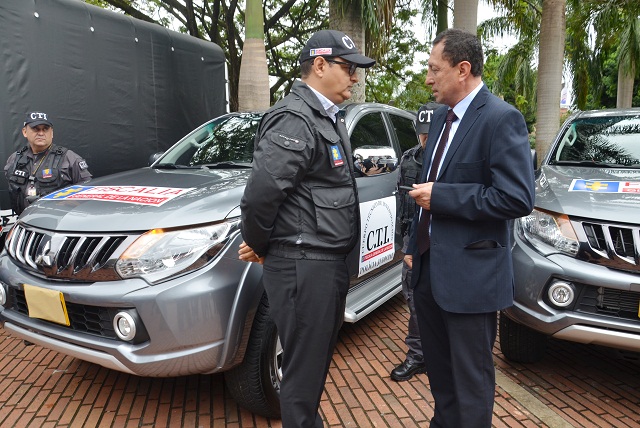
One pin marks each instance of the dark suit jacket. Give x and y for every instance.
(485, 181)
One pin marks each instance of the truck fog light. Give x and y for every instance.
(561, 294)
(124, 325)
(3, 294)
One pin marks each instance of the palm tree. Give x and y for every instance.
(523, 21)
(613, 28)
(550, 64)
(253, 83)
(618, 25)
(435, 14)
(540, 28)
(368, 23)
(465, 15)
(515, 77)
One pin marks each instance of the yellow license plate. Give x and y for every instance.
(46, 304)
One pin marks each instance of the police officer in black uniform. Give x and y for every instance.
(300, 218)
(41, 167)
(410, 169)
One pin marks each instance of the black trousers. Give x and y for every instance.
(414, 345)
(458, 356)
(306, 301)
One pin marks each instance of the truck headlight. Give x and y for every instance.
(548, 232)
(3, 294)
(163, 253)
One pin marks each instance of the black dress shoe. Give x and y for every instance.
(406, 370)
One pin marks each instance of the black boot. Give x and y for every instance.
(406, 370)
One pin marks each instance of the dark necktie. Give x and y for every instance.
(425, 218)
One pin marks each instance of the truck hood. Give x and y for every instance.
(140, 200)
(601, 198)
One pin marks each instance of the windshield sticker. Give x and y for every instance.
(140, 195)
(377, 239)
(605, 186)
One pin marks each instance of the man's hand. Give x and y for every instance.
(422, 194)
(246, 254)
(408, 259)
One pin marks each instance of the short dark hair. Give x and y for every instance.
(460, 45)
(305, 68)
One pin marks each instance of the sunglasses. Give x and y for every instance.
(352, 66)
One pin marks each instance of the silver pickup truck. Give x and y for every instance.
(577, 255)
(139, 271)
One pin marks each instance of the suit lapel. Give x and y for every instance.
(470, 117)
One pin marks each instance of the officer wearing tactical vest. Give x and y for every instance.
(410, 168)
(41, 167)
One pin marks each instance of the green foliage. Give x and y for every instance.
(603, 36)
(510, 87)
(394, 80)
(287, 25)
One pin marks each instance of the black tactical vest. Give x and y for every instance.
(410, 170)
(47, 177)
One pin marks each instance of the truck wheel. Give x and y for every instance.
(255, 383)
(519, 343)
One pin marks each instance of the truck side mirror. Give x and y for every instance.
(154, 157)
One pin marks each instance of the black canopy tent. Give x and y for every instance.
(117, 89)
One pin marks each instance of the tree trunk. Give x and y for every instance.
(625, 88)
(234, 69)
(351, 24)
(253, 82)
(550, 62)
(443, 16)
(465, 15)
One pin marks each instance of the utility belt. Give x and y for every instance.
(304, 253)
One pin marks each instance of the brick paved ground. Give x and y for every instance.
(574, 385)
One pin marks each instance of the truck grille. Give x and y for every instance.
(612, 245)
(83, 318)
(609, 302)
(72, 257)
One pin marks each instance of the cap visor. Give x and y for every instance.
(39, 122)
(361, 60)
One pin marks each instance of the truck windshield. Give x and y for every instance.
(600, 141)
(227, 140)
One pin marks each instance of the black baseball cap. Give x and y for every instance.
(423, 118)
(332, 43)
(36, 118)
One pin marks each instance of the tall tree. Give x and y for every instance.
(597, 31)
(397, 78)
(253, 82)
(465, 15)
(348, 19)
(287, 24)
(369, 24)
(550, 64)
(618, 24)
(515, 69)
(435, 16)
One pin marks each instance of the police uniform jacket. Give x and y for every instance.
(300, 200)
(57, 168)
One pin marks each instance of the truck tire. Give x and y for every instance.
(255, 383)
(519, 343)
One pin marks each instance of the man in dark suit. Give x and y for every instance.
(460, 246)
